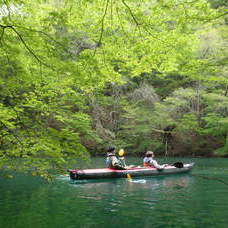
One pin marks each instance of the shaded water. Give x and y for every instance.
(197, 199)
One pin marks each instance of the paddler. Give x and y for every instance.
(112, 161)
(149, 161)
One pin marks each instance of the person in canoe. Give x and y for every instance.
(112, 161)
(149, 161)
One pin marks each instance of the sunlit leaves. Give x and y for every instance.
(56, 54)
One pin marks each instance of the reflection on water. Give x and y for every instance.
(178, 181)
(166, 201)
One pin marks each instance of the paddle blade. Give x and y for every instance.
(178, 164)
(129, 177)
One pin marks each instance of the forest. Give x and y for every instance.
(79, 75)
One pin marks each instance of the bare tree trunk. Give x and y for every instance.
(226, 91)
(166, 148)
(198, 94)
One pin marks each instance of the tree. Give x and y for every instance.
(54, 59)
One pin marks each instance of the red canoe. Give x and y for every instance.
(84, 174)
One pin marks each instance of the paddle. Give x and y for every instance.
(178, 165)
(121, 155)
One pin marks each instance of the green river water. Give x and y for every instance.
(197, 199)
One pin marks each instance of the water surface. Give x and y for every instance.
(197, 199)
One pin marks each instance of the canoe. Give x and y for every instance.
(85, 174)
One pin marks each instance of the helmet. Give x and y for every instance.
(121, 152)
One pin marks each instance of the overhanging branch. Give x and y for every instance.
(23, 42)
(102, 25)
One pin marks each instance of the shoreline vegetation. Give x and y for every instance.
(78, 76)
(141, 155)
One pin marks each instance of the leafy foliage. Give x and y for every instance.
(77, 75)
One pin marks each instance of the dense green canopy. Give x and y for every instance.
(76, 76)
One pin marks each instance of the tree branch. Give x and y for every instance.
(44, 33)
(28, 48)
(15, 136)
(102, 26)
(130, 11)
(143, 26)
(23, 42)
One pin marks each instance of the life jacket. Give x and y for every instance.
(146, 164)
(109, 161)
